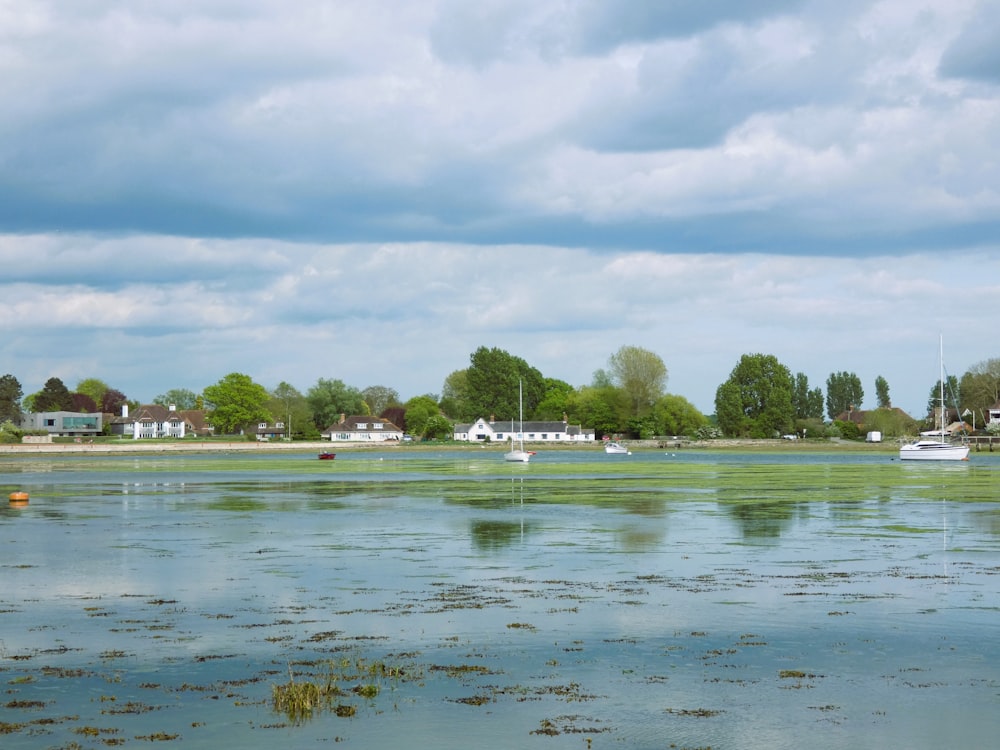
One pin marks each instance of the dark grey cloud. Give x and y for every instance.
(682, 126)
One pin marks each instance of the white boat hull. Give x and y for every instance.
(517, 456)
(616, 448)
(932, 450)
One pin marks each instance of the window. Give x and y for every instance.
(545, 436)
(362, 425)
(377, 425)
(262, 425)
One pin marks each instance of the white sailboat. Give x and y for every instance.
(935, 450)
(518, 454)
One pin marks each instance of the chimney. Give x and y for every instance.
(173, 407)
(125, 410)
(343, 418)
(492, 419)
(565, 418)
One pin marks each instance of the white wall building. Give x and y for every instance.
(483, 430)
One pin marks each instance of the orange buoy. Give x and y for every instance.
(18, 498)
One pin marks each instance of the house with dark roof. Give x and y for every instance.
(156, 421)
(483, 430)
(362, 429)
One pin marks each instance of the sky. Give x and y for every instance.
(369, 190)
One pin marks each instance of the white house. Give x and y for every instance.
(156, 421)
(362, 429)
(536, 432)
(993, 414)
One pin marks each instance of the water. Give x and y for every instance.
(685, 600)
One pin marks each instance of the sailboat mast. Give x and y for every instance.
(520, 410)
(941, 382)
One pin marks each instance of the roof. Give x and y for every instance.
(350, 424)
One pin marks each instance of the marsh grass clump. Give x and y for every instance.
(299, 699)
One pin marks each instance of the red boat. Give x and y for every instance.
(327, 456)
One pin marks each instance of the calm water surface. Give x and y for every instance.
(686, 600)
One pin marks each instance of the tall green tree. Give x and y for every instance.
(807, 403)
(419, 411)
(236, 402)
(94, 388)
(455, 395)
(54, 396)
(756, 400)
(181, 399)
(843, 393)
(10, 399)
(556, 401)
(287, 405)
(675, 415)
(603, 408)
(952, 397)
(379, 398)
(328, 399)
(882, 393)
(980, 388)
(493, 378)
(641, 374)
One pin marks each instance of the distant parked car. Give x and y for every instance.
(407, 438)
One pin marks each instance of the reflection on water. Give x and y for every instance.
(734, 601)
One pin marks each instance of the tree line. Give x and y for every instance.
(627, 398)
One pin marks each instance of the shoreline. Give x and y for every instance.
(246, 446)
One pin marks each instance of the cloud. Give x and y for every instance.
(372, 190)
(496, 122)
(407, 315)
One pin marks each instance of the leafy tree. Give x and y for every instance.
(555, 402)
(419, 411)
(81, 402)
(493, 378)
(437, 427)
(328, 399)
(808, 404)
(756, 400)
(601, 408)
(455, 395)
(602, 379)
(93, 388)
(112, 401)
(882, 393)
(890, 422)
(843, 393)
(675, 415)
(641, 374)
(182, 399)
(980, 387)
(286, 404)
(54, 396)
(379, 398)
(235, 402)
(10, 399)
(951, 398)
